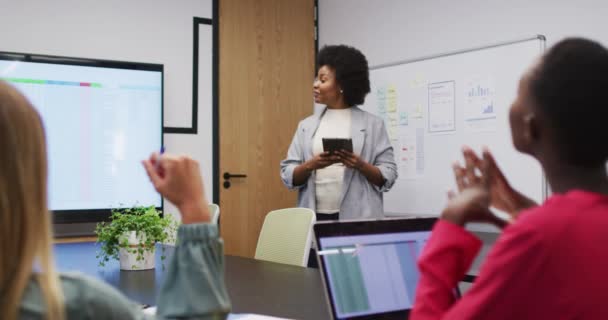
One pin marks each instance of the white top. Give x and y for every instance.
(335, 123)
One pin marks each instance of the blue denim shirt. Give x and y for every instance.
(360, 199)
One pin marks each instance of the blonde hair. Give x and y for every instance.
(25, 234)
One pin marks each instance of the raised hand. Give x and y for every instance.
(178, 179)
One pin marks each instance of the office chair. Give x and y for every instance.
(214, 210)
(286, 236)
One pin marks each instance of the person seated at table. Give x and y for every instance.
(550, 260)
(30, 287)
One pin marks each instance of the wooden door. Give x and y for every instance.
(267, 52)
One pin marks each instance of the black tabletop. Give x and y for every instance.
(254, 286)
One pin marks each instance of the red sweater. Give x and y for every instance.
(552, 263)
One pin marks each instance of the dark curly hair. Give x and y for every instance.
(352, 72)
(569, 87)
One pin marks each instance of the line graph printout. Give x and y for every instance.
(442, 107)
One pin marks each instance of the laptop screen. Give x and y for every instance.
(371, 274)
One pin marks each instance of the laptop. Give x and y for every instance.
(369, 267)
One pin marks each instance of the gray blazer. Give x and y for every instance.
(360, 199)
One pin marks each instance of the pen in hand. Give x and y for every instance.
(157, 166)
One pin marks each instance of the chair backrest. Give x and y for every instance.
(214, 210)
(286, 236)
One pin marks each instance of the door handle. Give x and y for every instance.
(228, 175)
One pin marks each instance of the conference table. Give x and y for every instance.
(254, 286)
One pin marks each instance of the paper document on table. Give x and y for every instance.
(232, 316)
(150, 311)
(249, 316)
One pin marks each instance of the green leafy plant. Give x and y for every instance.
(144, 220)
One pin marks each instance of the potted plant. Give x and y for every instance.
(131, 236)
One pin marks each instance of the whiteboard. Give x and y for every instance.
(435, 105)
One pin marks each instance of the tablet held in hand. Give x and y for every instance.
(332, 145)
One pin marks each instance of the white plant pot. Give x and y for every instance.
(128, 260)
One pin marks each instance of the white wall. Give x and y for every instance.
(152, 31)
(391, 30)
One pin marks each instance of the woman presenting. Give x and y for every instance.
(343, 184)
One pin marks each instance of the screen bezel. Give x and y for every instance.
(90, 215)
(326, 229)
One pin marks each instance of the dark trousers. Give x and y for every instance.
(312, 257)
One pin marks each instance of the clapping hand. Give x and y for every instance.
(502, 196)
(472, 203)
